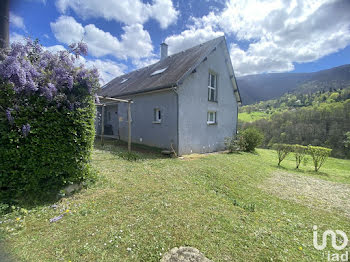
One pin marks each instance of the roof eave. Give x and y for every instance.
(147, 91)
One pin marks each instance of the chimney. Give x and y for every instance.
(163, 51)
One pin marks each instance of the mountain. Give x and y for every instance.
(255, 88)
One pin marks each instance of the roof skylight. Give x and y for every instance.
(124, 80)
(159, 71)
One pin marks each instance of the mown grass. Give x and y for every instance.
(140, 209)
(253, 116)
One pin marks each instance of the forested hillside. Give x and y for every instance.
(319, 119)
(255, 88)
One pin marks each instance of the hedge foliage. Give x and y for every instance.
(47, 127)
(318, 154)
(247, 140)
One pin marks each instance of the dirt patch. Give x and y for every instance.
(308, 191)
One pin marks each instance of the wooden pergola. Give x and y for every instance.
(111, 101)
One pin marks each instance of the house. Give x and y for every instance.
(187, 102)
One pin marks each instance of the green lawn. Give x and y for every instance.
(253, 116)
(139, 210)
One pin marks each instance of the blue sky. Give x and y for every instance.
(263, 36)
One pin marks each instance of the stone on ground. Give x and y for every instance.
(184, 254)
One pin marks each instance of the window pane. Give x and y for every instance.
(212, 95)
(212, 83)
(159, 115)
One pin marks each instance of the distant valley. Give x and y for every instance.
(255, 88)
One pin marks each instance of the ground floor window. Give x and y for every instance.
(157, 115)
(211, 118)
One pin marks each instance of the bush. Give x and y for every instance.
(46, 121)
(299, 153)
(232, 144)
(282, 151)
(319, 155)
(249, 139)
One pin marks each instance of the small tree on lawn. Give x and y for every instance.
(319, 155)
(282, 151)
(299, 153)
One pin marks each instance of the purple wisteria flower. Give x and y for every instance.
(25, 130)
(79, 49)
(55, 219)
(9, 116)
(35, 72)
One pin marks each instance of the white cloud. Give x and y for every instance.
(140, 63)
(14, 37)
(190, 38)
(164, 12)
(135, 42)
(277, 33)
(67, 30)
(17, 21)
(55, 48)
(127, 11)
(108, 69)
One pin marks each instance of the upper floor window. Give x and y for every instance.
(212, 87)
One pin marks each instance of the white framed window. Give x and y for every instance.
(212, 87)
(157, 115)
(211, 118)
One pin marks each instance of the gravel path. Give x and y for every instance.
(309, 191)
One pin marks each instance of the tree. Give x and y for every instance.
(319, 155)
(282, 151)
(249, 139)
(299, 153)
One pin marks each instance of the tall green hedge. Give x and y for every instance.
(46, 121)
(56, 152)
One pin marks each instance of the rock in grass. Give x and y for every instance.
(184, 254)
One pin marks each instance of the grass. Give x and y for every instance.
(140, 209)
(253, 116)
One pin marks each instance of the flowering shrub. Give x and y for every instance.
(46, 119)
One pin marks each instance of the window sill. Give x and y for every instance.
(211, 124)
(213, 101)
(156, 122)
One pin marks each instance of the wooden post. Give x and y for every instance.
(4, 23)
(103, 124)
(129, 126)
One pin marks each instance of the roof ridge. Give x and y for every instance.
(182, 51)
(179, 66)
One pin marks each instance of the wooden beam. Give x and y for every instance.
(129, 126)
(113, 99)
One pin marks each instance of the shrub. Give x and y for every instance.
(249, 139)
(232, 144)
(282, 151)
(319, 155)
(299, 153)
(46, 120)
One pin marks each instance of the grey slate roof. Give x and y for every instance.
(178, 66)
